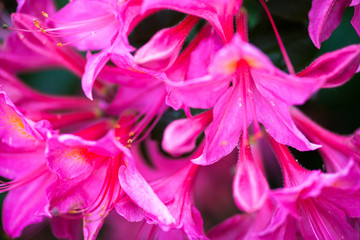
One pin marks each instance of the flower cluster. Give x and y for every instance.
(83, 161)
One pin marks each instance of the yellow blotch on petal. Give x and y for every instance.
(223, 143)
(15, 123)
(252, 62)
(230, 67)
(79, 155)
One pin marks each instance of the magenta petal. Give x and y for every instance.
(281, 226)
(187, 93)
(15, 130)
(163, 48)
(26, 205)
(142, 99)
(331, 221)
(16, 164)
(355, 21)
(245, 226)
(92, 226)
(324, 17)
(129, 210)
(287, 88)
(250, 186)
(176, 191)
(218, 12)
(203, 54)
(92, 24)
(180, 135)
(220, 138)
(319, 200)
(143, 195)
(76, 194)
(335, 67)
(70, 156)
(94, 65)
(275, 117)
(35, 7)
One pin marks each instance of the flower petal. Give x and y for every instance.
(224, 132)
(180, 135)
(335, 67)
(143, 195)
(324, 17)
(275, 116)
(26, 205)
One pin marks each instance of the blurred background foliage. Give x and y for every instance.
(336, 109)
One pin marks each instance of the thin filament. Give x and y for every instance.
(278, 38)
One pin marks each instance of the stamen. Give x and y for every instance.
(278, 38)
(37, 24)
(109, 184)
(45, 14)
(241, 24)
(33, 175)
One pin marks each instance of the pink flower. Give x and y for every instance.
(32, 35)
(325, 16)
(81, 165)
(322, 204)
(253, 97)
(87, 25)
(23, 160)
(13, 51)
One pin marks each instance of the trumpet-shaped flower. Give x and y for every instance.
(315, 200)
(81, 165)
(12, 50)
(259, 92)
(23, 161)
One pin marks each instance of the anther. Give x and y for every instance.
(129, 141)
(59, 44)
(42, 30)
(36, 23)
(45, 14)
(131, 134)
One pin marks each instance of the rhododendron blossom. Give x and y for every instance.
(191, 119)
